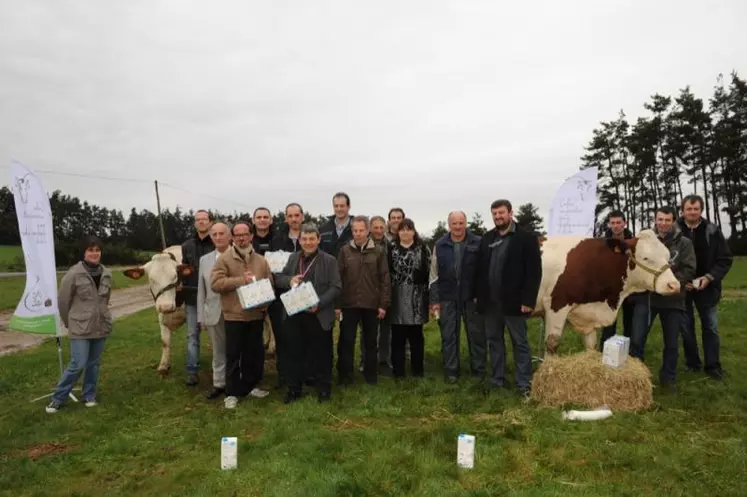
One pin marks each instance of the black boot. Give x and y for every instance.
(214, 393)
(291, 396)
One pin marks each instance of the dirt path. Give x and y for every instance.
(123, 303)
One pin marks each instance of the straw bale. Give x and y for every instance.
(583, 379)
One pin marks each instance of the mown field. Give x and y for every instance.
(157, 437)
(11, 258)
(11, 288)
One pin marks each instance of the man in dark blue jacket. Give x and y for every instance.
(713, 260)
(452, 297)
(508, 276)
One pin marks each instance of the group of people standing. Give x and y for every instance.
(379, 274)
(376, 274)
(700, 259)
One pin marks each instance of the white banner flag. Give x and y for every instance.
(572, 209)
(37, 310)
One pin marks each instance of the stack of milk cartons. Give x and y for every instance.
(615, 351)
(256, 293)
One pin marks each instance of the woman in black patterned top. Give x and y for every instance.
(409, 263)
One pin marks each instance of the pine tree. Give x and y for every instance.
(528, 218)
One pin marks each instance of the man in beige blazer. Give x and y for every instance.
(209, 314)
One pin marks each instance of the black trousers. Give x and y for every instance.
(276, 312)
(401, 335)
(245, 356)
(346, 345)
(308, 352)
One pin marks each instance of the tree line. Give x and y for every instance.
(130, 238)
(681, 146)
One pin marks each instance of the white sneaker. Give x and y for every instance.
(259, 393)
(230, 402)
(51, 409)
(91, 403)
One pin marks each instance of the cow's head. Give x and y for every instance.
(648, 266)
(164, 275)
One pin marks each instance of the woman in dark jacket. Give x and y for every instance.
(84, 309)
(409, 263)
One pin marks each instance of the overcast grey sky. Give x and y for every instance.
(430, 105)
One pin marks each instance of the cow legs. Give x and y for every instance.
(590, 340)
(269, 336)
(165, 364)
(554, 323)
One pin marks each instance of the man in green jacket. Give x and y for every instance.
(671, 308)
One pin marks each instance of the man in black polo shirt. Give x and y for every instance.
(713, 260)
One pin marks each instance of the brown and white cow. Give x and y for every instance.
(585, 280)
(165, 271)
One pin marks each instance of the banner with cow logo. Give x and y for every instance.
(37, 310)
(572, 211)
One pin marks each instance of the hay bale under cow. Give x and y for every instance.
(583, 379)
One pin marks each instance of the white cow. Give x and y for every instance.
(165, 271)
(585, 280)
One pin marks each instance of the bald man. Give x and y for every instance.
(209, 314)
(452, 297)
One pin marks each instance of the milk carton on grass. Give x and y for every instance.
(616, 351)
(228, 453)
(466, 451)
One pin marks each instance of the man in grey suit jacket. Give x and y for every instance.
(209, 314)
(309, 333)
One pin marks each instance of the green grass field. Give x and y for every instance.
(11, 258)
(11, 289)
(157, 437)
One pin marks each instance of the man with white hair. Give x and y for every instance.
(452, 296)
(209, 313)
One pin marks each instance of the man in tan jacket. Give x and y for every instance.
(245, 352)
(364, 271)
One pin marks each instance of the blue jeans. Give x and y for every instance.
(672, 321)
(85, 355)
(193, 340)
(711, 341)
(495, 324)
